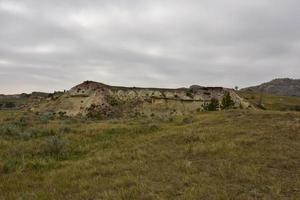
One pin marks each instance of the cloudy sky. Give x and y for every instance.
(54, 45)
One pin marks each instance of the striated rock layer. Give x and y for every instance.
(100, 100)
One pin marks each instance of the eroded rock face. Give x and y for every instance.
(104, 101)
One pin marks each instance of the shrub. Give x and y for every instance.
(38, 132)
(153, 128)
(73, 120)
(261, 106)
(113, 101)
(10, 130)
(26, 135)
(56, 147)
(16, 131)
(213, 105)
(187, 120)
(227, 102)
(10, 165)
(23, 121)
(65, 129)
(295, 108)
(190, 94)
(44, 119)
(94, 112)
(62, 114)
(10, 105)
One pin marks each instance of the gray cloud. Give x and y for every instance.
(53, 45)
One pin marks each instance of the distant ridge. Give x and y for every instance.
(33, 95)
(279, 86)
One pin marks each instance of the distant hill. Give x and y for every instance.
(281, 87)
(17, 101)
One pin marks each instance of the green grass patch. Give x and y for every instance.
(272, 102)
(234, 154)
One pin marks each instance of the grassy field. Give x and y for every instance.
(272, 102)
(235, 154)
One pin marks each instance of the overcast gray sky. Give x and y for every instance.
(54, 45)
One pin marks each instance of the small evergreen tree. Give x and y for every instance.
(227, 102)
(213, 105)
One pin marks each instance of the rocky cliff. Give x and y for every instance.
(104, 101)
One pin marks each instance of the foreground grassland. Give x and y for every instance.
(216, 155)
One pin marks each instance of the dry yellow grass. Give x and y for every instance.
(216, 155)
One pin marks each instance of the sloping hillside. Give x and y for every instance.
(271, 102)
(104, 101)
(282, 87)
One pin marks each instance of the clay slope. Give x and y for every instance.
(104, 101)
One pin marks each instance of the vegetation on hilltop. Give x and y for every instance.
(214, 104)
